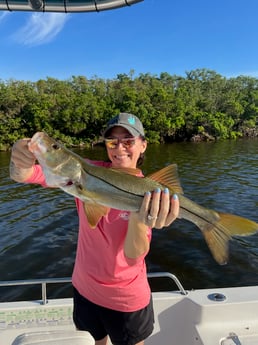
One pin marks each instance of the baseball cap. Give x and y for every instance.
(128, 121)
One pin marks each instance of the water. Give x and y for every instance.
(39, 226)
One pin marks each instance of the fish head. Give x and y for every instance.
(46, 149)
(61, 167)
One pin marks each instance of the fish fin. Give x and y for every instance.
(228, 225)
(94, 212)
(168, 177)
(237, 225)
(217, 241)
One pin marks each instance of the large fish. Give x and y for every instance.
(103, 188)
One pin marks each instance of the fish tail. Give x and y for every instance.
(218, 235)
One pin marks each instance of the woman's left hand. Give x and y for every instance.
(159, 208)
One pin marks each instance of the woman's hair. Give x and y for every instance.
(142, 155)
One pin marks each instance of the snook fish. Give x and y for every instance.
(103, 188)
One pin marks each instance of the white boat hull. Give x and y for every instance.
(201, 317)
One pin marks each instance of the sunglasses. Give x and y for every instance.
(112, 143)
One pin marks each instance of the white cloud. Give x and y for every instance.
(41, 28)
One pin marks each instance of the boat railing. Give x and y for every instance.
(47, 281)
(170, 276)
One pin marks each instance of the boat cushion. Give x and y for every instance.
(64, 337)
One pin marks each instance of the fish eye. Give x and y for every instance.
(55, 146)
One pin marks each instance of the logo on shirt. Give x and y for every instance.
(124, 215)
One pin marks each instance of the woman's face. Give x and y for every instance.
(124, 155)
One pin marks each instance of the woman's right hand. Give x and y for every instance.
(22, 161)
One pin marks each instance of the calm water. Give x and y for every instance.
(39, 226)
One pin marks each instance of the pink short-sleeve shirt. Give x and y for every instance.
(102, 273)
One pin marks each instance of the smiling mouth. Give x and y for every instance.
(121, 156)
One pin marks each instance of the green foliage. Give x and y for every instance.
(171, 107)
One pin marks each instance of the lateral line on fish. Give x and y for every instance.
(195, 214)
(113, 185)
(98, 176)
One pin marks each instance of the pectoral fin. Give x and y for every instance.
(94, 212)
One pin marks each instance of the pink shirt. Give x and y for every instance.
(102, 273)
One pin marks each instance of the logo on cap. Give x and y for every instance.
(131, 120)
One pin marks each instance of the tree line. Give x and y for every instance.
(202, 105)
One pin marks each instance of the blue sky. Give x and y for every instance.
(152, 36)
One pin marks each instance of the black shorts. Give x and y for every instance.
(123, 328)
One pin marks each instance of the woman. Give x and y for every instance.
(112, 296)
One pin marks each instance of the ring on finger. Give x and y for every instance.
(150, 217)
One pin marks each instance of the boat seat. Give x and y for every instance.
(64, 337)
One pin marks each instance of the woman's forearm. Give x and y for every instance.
(136, 241)
(20, 174)
(22, 161)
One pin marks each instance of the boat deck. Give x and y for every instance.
(201, 317)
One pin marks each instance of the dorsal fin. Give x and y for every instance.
(168, 177)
